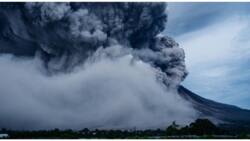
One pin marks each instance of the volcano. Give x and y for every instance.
(97, 65)
(226, 114)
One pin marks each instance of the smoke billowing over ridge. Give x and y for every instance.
(95, 65)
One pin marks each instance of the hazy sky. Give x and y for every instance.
(215, 37)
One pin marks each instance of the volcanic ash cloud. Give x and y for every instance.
(93, 67)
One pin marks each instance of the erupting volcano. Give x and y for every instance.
(96, 65)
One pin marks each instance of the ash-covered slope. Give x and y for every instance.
(222, 113)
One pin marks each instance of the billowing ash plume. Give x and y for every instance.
(96, 65)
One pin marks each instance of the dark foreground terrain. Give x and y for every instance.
(200, 129)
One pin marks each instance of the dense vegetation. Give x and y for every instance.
(201, 128)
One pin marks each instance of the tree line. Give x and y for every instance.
(197, 129)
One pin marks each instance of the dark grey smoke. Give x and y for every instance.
(70, 29)
(96, 65)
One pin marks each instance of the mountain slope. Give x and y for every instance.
(218, 112)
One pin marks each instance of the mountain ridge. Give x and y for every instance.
(218, 112)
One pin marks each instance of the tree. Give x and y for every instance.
(3, 130)
(203, 127)
(172, 129)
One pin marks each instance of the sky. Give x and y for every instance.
(215, 37)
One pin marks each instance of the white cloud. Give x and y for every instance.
(216, 58)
